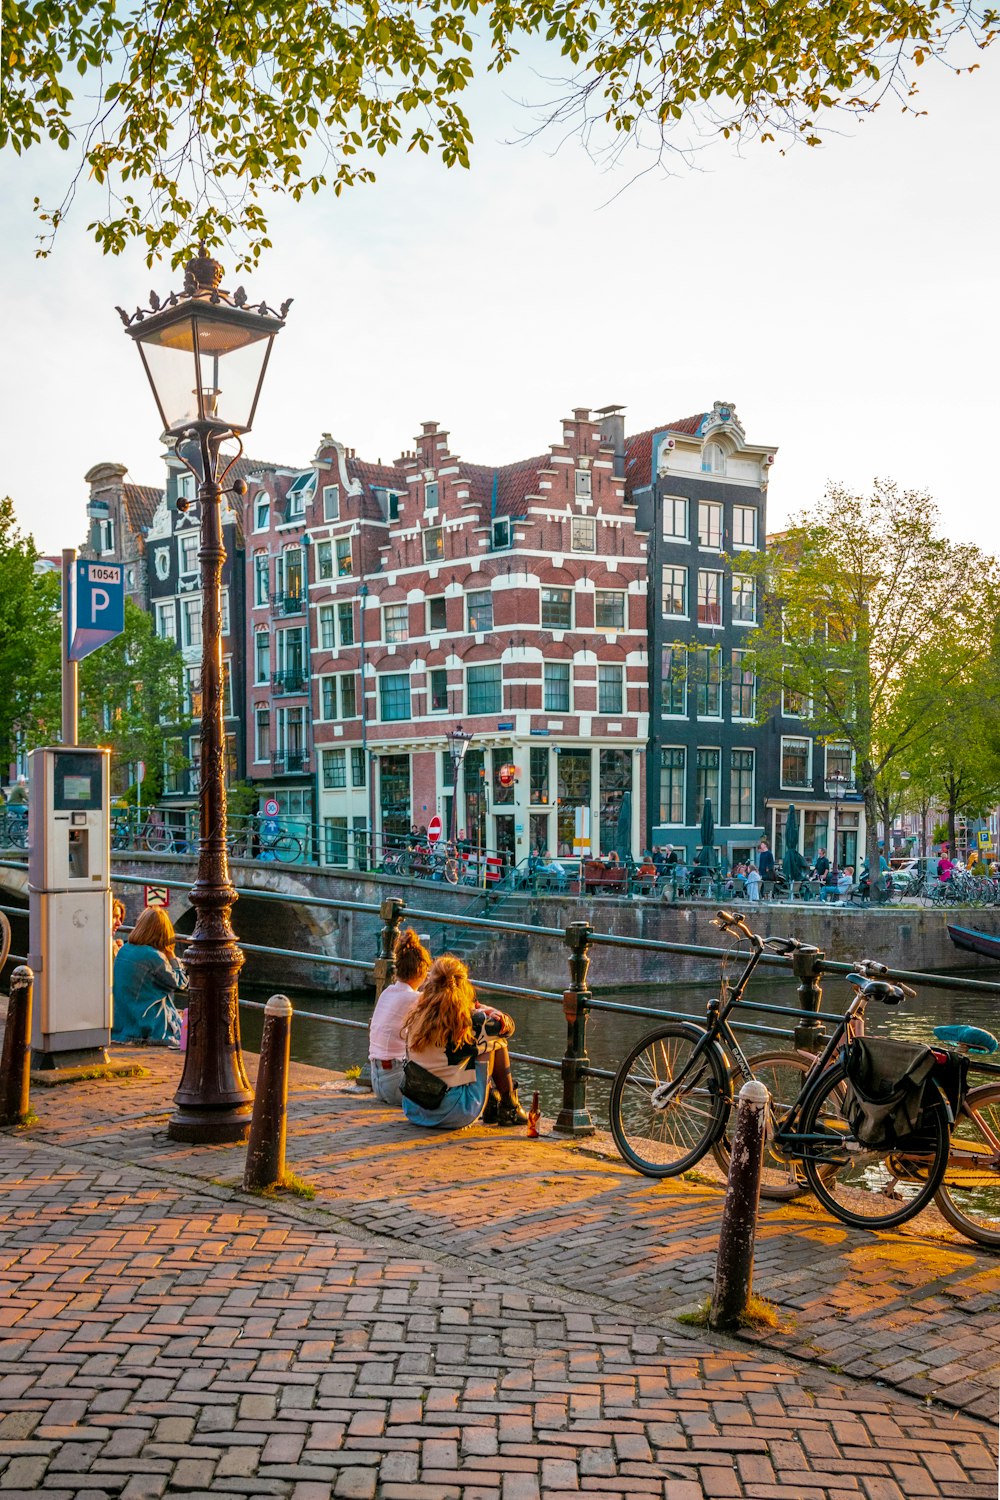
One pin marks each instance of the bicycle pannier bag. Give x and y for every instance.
(885, 1089)
(421, 1086)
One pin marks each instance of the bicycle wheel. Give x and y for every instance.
(969, 1196)
(659, 1126)
(871, 1188)
(17, 833)
(782, 1074)
(158, 840)
(286, 847)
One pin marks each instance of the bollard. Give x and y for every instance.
(734, 1267)
(807, 966)
(16, 1061)
(265, 1166)
(574, 1116)
(391, 911)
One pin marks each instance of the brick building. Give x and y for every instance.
(120, 514)
(509, 600)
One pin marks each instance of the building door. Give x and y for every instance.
(539, 839)
(504, 823)
(575, 782)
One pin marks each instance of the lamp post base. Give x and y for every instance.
(213, 1102)
(210, 1127)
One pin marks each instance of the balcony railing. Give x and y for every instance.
(291, 680)
(288, 604)
(291, 760)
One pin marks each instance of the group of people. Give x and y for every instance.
(437, 1052)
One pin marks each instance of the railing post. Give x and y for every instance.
(734, 1266)
(807, 966)
(16, 1061)
(265, 1164)
(391, 911)
(574, 1117)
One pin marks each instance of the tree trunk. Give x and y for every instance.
(871, 818)
(952, 815)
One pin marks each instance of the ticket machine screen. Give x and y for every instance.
(76, 782)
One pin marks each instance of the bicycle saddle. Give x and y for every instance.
(972, 1037)
(879, 989)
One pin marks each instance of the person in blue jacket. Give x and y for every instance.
(146, 978)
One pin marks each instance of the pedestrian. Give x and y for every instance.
(765, 868)
(945, 867)
(18, 794)
(753, 883)
(385, 1034)
(821, 866)
(117, 919)
(146, 977)
(463, 1047)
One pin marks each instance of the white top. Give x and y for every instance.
(391, 1009)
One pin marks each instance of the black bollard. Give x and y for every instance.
(807, 966)
(734, 1267)
(16, 1061)
(574, 1117)
(265, 1166)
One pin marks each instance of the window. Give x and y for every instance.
(260, 578)
(396, 622)
(675, 518)
(557, 609)
(706, 675)
(192, 691)
(431, 496)
(713, 459)
(609, 610)
(166, 620)
(191, 621)
(185, 489)
(174, 765)
(610, 690)
(324, 560)
(584, 484)
(709, 597)
(262, 656)
(334, 769)
(290, 574)
(227, 689)
(224, 611)
(795, 755)
(345, 622)
(673, 682)
(794, 704)
(301, 490)
(439, 690)
(479, 611)
(840, 766)
(335, 841)
(358, 777)
(328, 697)
(437, 613)
(262, 513)
(433, 544)
(741, 786)
(262, 734)
(673, 775)
(501, 533)
(105, 536)
(348, 696)
(331, 502)
(744, 686)
(187, 552)
(394, 697)
(710, 525)
(484, 690)
(327, 638)
(539, 773)
(291, 675)
(344, 564)
(707, 779)
(583, 536)
(744, 600)
(744, 526)
(556, 698)
(675, 591)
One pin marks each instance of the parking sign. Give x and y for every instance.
(97, 607)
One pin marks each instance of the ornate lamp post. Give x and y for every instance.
(836, 785)
(205, 353)
(458, 744)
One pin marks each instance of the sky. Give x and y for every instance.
(843, 298)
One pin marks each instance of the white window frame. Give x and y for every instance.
(261, 579)
(259, 678)
(743, 750)
(190, 611)
(617, 594)
(324, 554)
(352, 678)
(262, 507)
(432, 495)
(183, 539)
(619, 670)
(331, 502)
(589, 523)
(584, 485)
(733, 594)
(685, 614)
(851, 775)
(327, 698)
(713, 459)
(718, 574)
(327, 616)
(742, 718)
(166, 612)
(740, 544)
(569, 666)
(501, 533)
(396, 623)
(713, 509)
(796, 738)
(680, 822)
(433, 629)
(261, 711)
(671, 503)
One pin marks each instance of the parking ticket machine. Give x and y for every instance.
(69, 903)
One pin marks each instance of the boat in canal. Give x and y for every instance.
(975, 942)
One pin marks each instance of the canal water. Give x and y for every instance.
(541, 1028)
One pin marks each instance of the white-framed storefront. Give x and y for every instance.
(817, 821)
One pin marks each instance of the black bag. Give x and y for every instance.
(421, 1086)
(885, 1089)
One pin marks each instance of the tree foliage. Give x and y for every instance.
(958, 766)
(189, 116)
(870, 629)
(29, 638)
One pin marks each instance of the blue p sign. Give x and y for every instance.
(98, 607)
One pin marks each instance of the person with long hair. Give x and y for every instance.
(145, 978)
(464, 1046)
(385, 1039)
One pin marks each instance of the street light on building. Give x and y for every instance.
(458, 744)
(205, 353)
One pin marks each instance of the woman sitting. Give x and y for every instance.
(463, 1047)
(385, 1039)
(146, 976)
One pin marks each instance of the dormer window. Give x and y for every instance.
(501, 533)
(431, 495)
(713, 459)
(301, 490)
(584, 484)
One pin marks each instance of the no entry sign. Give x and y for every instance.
(434, 829)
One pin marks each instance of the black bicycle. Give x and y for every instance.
(672, 1099)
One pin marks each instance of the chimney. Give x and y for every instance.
(613, 434)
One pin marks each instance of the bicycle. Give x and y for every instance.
(969, 1196)
(14, 830)
(672, 1099)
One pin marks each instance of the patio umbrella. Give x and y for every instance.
(623, 831)
(707, 854)
(792, 862)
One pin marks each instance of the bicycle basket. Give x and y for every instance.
(885, 1089)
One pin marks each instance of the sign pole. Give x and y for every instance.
(70, 699)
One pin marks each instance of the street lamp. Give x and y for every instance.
(835, 783)
(458, 744)
(205, 353)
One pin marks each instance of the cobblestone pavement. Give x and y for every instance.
(166, 1337)
(918, 1309)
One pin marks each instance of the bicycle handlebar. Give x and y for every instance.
(733, 922)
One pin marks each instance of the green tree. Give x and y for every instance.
(190, 115)
(29, 642)
(958, 766)
(867, 627)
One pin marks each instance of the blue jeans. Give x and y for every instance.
(386, 1081)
